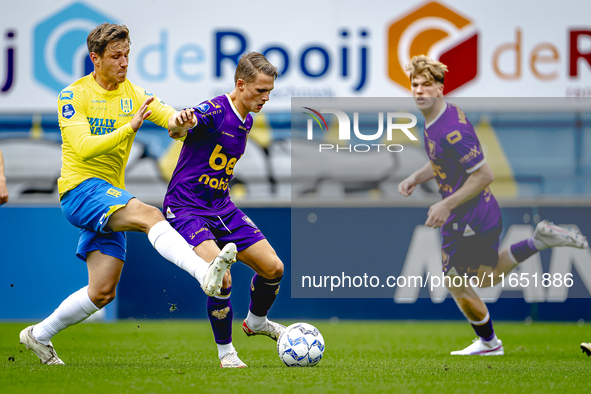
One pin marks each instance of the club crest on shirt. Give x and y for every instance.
(249, 222)
(432, 149)
(203, 108)
(126, 105)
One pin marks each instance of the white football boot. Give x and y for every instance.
(271, 329)
(480, 348)
(548, 235)
(586, 348)
(46, 353)
(231, 360)
(212, 283)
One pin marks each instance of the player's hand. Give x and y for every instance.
(406, 187)
(176, 134)
(3, 192)
(185, 119)
(141, 115)
(438, 215)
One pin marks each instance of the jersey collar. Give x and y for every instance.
(235, 110)
(443, 108)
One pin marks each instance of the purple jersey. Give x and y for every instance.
(199, 184)
(455, 153)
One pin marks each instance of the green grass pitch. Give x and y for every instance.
(361, 357)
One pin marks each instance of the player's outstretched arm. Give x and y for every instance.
(474, 185)
(3, 189)
(407, 186)
(181, 122)
(88, 146)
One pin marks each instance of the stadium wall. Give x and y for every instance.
(38, 268)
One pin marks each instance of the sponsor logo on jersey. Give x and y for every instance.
(148, 93)
(114, 193)
(68, 111)
(126, 105)
(100, 126)
(66, 95)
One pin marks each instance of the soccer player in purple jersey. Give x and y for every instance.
(198, 205)
(468, 214)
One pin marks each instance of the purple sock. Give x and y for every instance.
(262, 294)
(524, 249)
(485, 331)
(220, 313)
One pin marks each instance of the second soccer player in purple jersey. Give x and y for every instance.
(198, 205)
(468, 214)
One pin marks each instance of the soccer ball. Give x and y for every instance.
(300, 345)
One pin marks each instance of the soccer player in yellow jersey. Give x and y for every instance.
(99, 115)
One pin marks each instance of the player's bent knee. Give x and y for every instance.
(273, 270)
(102, 298)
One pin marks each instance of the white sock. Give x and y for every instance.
(74, 309)
(225, 349)
(255, 322)
(492, 342)
(173, 247)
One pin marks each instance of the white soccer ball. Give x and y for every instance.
(300, 345)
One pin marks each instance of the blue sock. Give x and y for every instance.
(262, 294)
(524, 249)
(219, 311)
(485, 331)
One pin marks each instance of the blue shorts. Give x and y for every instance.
(88, 206)
(467, 254)
(233, 226)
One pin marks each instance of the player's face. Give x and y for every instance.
(424, 91)
(112, 66)
(256, 93)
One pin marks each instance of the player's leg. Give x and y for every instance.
(464, 257)
(220, 312)
(261, 257)
(137, 216)
(104, 271)
(255, 251)
(95, 204)
(546, 235)
(476, 312)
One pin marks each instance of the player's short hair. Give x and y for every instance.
(252, 63)
(427, 67)
(103, 34)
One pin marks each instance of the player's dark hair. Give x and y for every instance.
(103, 34)
(252, 63)
(427, 67)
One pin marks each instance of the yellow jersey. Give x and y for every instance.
(96, 133)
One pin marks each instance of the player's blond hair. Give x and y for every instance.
(427, 67)
(252, 63)
(103, 34)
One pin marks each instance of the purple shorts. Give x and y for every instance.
(467, 253)
(234, 227)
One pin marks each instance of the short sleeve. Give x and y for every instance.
(466, 146)
(210, 116)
